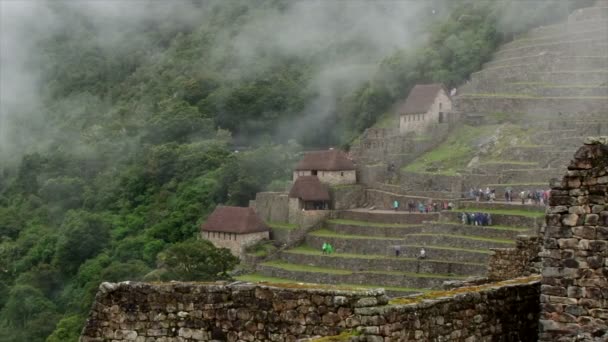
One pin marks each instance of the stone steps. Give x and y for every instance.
(380, 262)
(386, 216)
(321, 276)
(358, 244)
(583, 47)
(594, 33)
(565, 28)
(426, 228)
(486, 81)
(497, 103)
(550, 62)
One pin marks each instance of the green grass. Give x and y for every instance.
(307, 250)
(452, 155)
(315, 269)
(329, 233)
(281, 225)
(514, 212)
(508, 228)
(503, 162)
(371, 224)
(258, 278)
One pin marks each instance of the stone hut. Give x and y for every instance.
(426, 104)
(234, 228)
(308, 193)
(331, 167)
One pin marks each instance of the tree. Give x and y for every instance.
(83, 235)
(67, 330)
(196, 260)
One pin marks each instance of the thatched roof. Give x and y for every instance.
(239, 220)
(330, 160)
(308, 188)
(421, 98)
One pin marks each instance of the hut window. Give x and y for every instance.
(314, 172)
(342, 174)
(439, 105)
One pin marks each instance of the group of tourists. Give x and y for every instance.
(428, 207)
(476, 219)
(538, 197)
(481, 195)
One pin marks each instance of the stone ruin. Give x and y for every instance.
(574, 291)
(568, 303)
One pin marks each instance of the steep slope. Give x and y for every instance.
(540, 94)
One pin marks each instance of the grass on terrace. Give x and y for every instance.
(449, 293)
(497, 227)
(452, 156)
(290, 283)
(507, 162)
(370, 224)
(308, 250)
(330, 233)
(281, 225)
(515, 212)
(314, 269)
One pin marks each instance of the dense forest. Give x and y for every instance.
(132, 128)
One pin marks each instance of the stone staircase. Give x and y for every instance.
(364, 242)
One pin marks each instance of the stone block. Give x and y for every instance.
(570, 220)
(584, 232)
(591, 219)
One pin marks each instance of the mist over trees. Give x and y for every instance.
(123, 124)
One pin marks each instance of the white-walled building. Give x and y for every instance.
(331, 167)
(234, 228)
(426, 104)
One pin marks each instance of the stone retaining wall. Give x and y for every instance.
(347, 196)
(401, 264)
(498, 219)
(509, 263)
(191, 312)
(575, 269)
(202, 312)
(386, 247)
(507, 313)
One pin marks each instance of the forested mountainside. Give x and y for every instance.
(120, 122)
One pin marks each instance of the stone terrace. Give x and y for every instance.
(364, 242)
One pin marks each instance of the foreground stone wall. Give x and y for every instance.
(244, 312)
(574, 300)
(502, 313)
(202, 312)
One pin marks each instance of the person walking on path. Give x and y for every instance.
(422, 254)
(410, 206)
(395, 205)
(397, 251)
(325, 248)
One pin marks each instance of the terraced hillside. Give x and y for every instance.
(526, 110)
(523, 115)
(364, 242)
